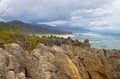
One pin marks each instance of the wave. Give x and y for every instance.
(100, 40)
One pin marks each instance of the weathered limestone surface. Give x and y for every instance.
(58, 62)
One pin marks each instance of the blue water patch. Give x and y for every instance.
(100, 41)
(106, 41)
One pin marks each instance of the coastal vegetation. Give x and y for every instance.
(29, 42)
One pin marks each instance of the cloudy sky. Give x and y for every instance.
(91, 14)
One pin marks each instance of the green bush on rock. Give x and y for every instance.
(30, 42)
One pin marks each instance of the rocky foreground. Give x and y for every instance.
(58, 62)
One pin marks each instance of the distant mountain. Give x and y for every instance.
(29, 28)
(71, 29)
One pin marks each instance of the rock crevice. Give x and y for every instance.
(58, 62)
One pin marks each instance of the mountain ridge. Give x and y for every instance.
(71, 28)
(29, 28)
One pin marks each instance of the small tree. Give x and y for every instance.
(86, 40)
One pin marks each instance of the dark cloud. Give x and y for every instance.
(87, 13)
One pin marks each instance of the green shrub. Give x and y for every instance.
(86, 40)
(30, 42)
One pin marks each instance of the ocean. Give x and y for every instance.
(100, 41)
(97, 40)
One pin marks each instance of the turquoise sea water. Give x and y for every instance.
(106, 41)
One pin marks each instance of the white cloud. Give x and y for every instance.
(54, 23)
(76, 18)
(109, 17)
(92, 14)
(44, 9)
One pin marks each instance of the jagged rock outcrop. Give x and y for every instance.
(58, 62)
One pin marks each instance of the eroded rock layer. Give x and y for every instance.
(58, 62)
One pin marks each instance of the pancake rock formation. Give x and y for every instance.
(58, 62)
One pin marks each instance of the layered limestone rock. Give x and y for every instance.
(58, 62)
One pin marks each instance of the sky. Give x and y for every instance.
(91, 14)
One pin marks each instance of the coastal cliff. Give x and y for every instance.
(58, 62)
